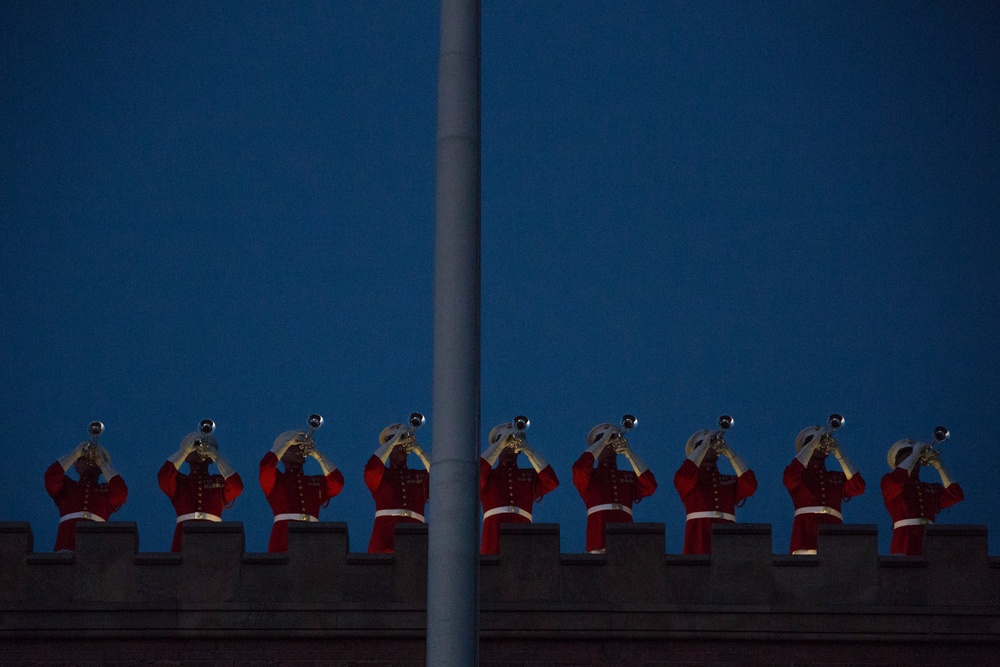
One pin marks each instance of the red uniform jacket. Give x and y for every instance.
(508, 485)
(906, 497)
(706, 490)
(816, 486)
(197, 493)
(292, 492)
(394, 489)
(86, 495)
(606, 484)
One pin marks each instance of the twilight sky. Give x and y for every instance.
(225, 210)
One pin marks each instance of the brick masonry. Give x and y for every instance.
(321, 604)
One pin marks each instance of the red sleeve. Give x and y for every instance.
(892, 484)
(686, 478)
(232, 489)
(793, 474)
(334, 483)
(583, 471)
(645, 485)
(952, 494)
(545, 482)
(167, 477)
(855, 486)
(374, 470)
(268, 475)
(54, 478)
(746, 485)
(484, 473)
(117, 492)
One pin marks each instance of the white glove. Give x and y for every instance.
(597, 448)
(913, 460)
(423, 457)
(945, 477)
(177, 458)
(845, 463)
(224, 467)
(104, 461)
(279, 448)
(67, 461)
(698, 454)
(637, 465)
(534, 458)
(324, 463)
(384, 451)
(493, 453)
(806, 452)
(739, 465)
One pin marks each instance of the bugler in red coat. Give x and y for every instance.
(913, 504)
(198, 496)
(710, 497)
(400, 493)
(508, 492)
(293, 495)
(86, 499)
(817, 493)
(610, 493)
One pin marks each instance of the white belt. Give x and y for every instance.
(203, 516)
(90, 516)
(711, 515)
(819, 509)
(610, 507)
(407, 513)
(508, 509)
(911, 522)
(294, 517)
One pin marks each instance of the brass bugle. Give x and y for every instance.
(941, 434)
(90, 451)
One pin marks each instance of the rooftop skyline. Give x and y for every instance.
(770, 210)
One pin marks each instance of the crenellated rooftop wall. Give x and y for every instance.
(529, 590)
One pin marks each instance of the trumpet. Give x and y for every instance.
(628, 422)
(827, 443)
(307, 444)
(90, 450)
(932, 453)
(203, 447)
(409, 439)
(718, 441)
(518, 439)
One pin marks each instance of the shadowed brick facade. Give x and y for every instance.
(322, 604)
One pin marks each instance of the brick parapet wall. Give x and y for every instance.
(530, 594)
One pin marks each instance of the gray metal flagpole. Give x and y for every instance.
(453, 543)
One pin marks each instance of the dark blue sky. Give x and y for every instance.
(226, 210)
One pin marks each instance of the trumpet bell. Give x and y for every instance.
(725, 422)
(315, 421)
(521, 423)
(96, 428)
(206, 426)
(629, 422)
(836, 421)
(416, 420)
(941, 433)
